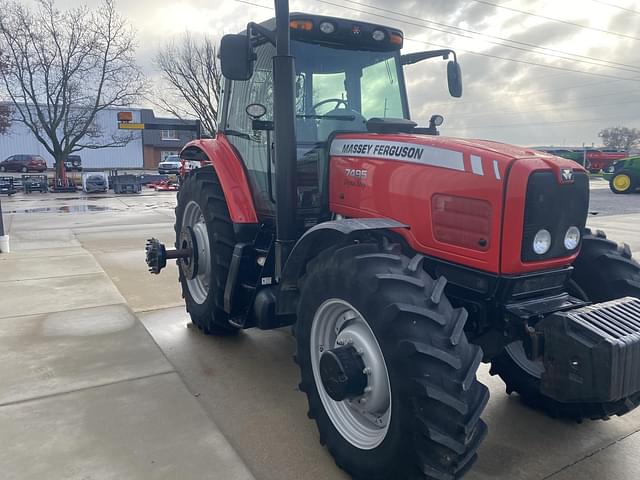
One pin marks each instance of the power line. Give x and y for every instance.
(553, 67)
(617, 6)
(551, 19)
(531, 45)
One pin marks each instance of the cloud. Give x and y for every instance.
(503, 100)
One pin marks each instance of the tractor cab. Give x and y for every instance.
(348, 78)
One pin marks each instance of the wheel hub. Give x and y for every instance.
(350, 374)
(343, 373)
(188, 241)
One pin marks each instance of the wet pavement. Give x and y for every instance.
(104, 376)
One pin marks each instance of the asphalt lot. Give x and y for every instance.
(245, 388)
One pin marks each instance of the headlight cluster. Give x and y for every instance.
(542, 240)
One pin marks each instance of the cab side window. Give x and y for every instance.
(252, 145)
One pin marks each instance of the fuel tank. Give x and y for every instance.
(464, 200)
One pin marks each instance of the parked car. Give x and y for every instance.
(73, 162)
(23, 163)
(170, 165)
(624, 175)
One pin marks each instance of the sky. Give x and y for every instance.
(575, 68)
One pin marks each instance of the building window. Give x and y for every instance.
(165, 154)
(169, 135)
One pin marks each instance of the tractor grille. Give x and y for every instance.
(617, 320)
(554, 207)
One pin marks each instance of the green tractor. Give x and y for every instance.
(624, 175)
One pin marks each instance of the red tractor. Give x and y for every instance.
(401, 258)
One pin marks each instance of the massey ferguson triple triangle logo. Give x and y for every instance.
(567, 175)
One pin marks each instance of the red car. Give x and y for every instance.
(23, 163)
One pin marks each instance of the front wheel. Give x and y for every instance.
(24, 169)
(623, 182)
(203, 221)
(603, 271)
(389, 375)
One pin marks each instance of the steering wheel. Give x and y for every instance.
(328, 100)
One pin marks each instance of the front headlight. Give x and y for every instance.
(572, 238)
(542, 242)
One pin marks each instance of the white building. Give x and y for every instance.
(20, 140)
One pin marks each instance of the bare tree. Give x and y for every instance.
(63, 68)
(191, 74)
(5, 118)
(620, 138)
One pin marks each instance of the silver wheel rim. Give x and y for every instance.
(199, 286)
(362, 421)
(516, 351)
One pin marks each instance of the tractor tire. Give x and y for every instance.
(623, 182)
(202, 206)
(603, 271)
(431, 427)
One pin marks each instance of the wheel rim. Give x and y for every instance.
(516, 351)
(622, 182)
(362, 421)
(199, 285)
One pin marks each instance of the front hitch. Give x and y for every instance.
(157, 255)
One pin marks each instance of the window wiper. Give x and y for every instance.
(347, 118)
(236, 133)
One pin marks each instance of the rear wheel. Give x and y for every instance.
(202, 218)
(24, 169)
(389, 375)
(623, 182)
(3, 168)
(603, 271)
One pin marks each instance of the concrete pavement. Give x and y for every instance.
(85, 392)
(242, 389)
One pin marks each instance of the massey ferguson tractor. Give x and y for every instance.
(402, 259)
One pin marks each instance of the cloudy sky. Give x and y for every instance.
(536, 72)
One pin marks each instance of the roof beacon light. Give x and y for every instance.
(378, 35)
(327, 27)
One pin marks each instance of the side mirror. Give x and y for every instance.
(454, 78)
(236, 57)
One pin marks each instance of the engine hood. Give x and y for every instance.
(446, 152)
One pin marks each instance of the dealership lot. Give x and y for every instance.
(104, 377)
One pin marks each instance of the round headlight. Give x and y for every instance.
(542, 242)
(327, 27)
(378, 35)
(572, 238)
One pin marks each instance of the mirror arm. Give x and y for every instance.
(270, 35)
(411, 58)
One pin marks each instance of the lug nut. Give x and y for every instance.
(367, 371)
(368, 389)
(360, 351)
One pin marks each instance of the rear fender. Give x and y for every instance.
(314, 241)
(230, 170)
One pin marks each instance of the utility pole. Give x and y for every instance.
(4, 239)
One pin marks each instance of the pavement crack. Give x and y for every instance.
(589, 455)
(82, 389)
